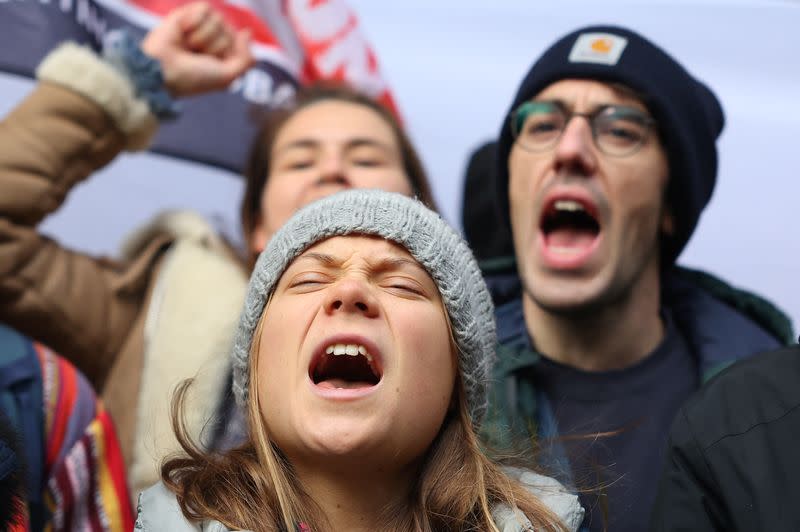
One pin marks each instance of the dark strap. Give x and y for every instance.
(22, 402)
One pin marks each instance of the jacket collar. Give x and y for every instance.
(718, 330)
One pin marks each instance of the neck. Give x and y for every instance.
(611, 337)
(356, 499)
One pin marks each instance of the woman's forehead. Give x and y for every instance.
(340, 250)
(334, 121)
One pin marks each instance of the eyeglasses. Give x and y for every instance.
(617, 130)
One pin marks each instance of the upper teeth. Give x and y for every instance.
(568, 205)
(348, 349)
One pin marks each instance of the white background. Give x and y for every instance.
(454, 66)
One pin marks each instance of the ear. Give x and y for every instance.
(667, 223)
(258, 236)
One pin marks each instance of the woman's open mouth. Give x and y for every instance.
(571, 231)
(343, 366)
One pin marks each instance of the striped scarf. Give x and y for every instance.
(85, 475)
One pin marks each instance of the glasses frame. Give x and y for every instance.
(648, 122)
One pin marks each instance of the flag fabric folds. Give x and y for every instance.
(294, 42)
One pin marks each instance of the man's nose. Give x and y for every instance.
(351, 296)
(575, 151)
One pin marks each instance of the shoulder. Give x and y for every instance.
(553, 494)
(184, 236)
(175, 225)
(732, 446)
(158, 510)
(747, 317)
(754, 392)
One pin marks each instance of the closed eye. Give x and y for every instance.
(300, 165)
(307, 282)
(368, 163)
(404, 288)
(303, 283)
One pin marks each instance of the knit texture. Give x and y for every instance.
(689, 118)
(428, 238)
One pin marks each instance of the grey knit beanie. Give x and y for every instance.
(428, 238)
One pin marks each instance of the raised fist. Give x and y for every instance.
(199, 52)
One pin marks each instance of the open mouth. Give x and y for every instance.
(569, 225)
(345, 366)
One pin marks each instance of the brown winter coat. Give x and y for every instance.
(87, 309)
(92, 310)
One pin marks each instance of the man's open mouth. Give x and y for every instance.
(569, 225)
(345, 366)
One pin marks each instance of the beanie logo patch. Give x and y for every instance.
(602, 48)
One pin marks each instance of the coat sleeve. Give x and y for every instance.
(688, 495)
(78, 118)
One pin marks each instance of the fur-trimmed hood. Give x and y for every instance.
(188, 333)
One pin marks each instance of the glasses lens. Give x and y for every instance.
(537, 125)
(621, 130)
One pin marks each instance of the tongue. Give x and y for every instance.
(570, 237)
(341, 383)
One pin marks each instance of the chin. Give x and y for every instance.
(567, 297)
(338, 437)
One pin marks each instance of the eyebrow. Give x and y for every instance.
(351, 144)
(397, 263)
(570, 106)
(323, 258)
(381, 265)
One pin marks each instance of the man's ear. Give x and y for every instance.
(667, 224)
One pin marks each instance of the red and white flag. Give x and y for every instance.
(294, 42)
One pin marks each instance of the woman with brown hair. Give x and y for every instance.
(164, 310)
(329, 138)
(362, 356)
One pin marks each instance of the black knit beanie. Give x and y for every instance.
(688, 114)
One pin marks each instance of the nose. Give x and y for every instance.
(332, 171)
(575, 152)
(351, 296)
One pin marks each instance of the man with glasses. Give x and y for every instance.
(605, 161)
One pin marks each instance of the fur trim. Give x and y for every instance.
(180, 224)
(188, 333)
(80, 69)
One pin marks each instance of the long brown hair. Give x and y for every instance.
(257, 169)
(254, 487)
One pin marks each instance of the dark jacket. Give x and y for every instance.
(733, 459)
(720, 323)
